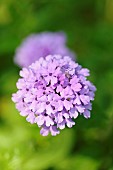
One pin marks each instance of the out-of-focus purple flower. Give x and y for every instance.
(53, 92)
(41, 45)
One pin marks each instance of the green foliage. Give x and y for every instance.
(89, 27)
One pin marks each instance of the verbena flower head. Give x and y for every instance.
(53, 92)
(41, 45)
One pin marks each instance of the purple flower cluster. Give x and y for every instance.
(53, 92)
(41, 45)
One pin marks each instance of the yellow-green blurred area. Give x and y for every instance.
(89, 28)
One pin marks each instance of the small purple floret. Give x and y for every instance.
(41, 45)
(52, 92)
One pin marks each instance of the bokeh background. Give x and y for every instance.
(89, 28)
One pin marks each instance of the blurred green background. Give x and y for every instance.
(89, 28)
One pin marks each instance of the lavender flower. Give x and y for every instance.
(53, 92)
(41, 45)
